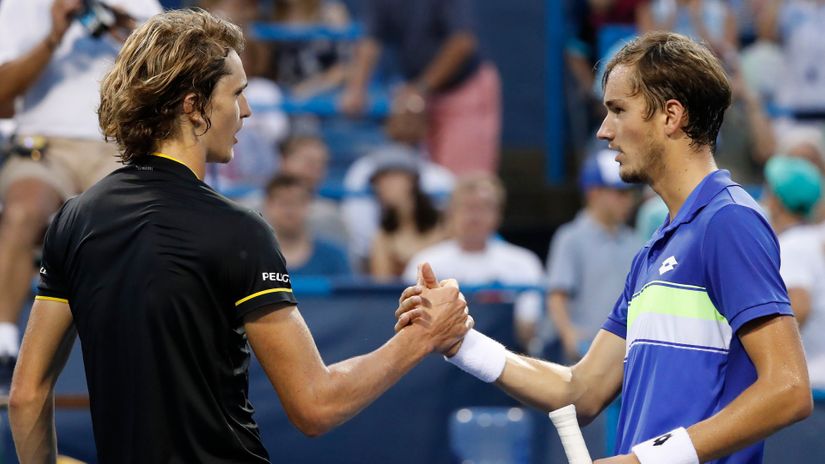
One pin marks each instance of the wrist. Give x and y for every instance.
(53, 40)
(673, 447)
(416, 337)
(480, 356)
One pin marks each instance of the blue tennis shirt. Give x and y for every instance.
(698, 280)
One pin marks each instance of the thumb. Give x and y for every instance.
(426, 276)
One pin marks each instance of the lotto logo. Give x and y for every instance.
(275, 277)
(668, 265)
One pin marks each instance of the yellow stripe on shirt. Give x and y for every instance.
(262, 292)
(51, 298)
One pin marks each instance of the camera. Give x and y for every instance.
(97, 17)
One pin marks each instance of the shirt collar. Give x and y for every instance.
(162, 159)
(710, 186)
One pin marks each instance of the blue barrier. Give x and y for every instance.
(348, 317)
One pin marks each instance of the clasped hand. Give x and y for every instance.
(437, 307)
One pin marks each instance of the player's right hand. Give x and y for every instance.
(440, 308)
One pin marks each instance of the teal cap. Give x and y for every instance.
(795, 181)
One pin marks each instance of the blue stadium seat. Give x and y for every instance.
(491, 435)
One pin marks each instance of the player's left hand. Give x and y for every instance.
(623, 459)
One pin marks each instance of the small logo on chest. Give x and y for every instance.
(668, 265)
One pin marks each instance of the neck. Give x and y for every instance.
(186, 153)
(681, 174)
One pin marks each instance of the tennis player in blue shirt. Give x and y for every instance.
(702, 342)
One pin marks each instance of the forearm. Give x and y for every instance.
(32, 427)
(453, 54)
(764, 141)
(17, 75)
(351, 385)
(366, 55)
(540, 384)
(758, 412)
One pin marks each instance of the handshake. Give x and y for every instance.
(437, 309)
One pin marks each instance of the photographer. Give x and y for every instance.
(51, 64)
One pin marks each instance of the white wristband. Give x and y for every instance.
(673, 447)
(480, 356)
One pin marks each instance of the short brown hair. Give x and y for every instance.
(284, 181)
(666, 65)
(294, 142)
(173, 54)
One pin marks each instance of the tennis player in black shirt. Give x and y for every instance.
(167, 283)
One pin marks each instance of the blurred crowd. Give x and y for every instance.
(427, 187)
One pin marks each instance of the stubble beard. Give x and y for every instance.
(651, 164)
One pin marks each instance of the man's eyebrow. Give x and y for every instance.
(610, 104)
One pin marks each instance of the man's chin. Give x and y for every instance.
(221, 158)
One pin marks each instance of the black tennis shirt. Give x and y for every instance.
(159, 270)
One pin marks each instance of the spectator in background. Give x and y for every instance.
(799, 24)
(309, 67)
(804, 141)
(449, 89)
(710, 21)
(746, 139)
(589, 256)
(807, 142)
(360, 209)
(286, 209)
(52, 66)
(256, 153)
(793, 188)
(475, 256)
(306, 157)
(409, 220)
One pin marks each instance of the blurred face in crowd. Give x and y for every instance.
(227, 109)
(611, 205)
(286, 210)
(810, 153)
(474, 216)
(307, 161)
(640, 146)
(394, 188)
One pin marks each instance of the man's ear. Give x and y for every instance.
(675, 117)
(190, 102)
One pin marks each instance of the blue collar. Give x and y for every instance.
(710, 186)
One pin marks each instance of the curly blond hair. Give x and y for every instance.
(172, 55)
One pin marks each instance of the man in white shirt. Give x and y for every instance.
(793, 188)
(50, 66)
(475, 256)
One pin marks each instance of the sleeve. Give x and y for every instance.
(54, 283)
(11, 41)
(795, 264)
(616, 322)
(459, 16)
(741, 259)
(562, 269)
(256, 270)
